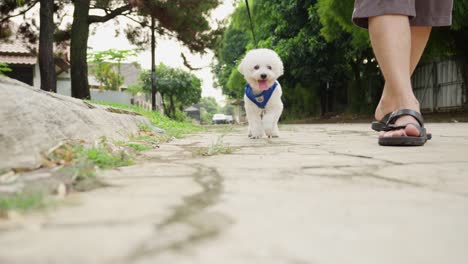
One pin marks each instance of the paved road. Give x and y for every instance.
(319, 194)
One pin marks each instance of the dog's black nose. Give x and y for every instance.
(264, 76)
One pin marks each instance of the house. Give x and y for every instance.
(194, 112)
(25, 66)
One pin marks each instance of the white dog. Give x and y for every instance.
(261, 69)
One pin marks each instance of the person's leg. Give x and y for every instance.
(419, 38)
(391, 41)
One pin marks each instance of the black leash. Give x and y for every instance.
(251, 23)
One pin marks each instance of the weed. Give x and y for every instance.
(138, 147)
(106, 159)
(216, 148)
(22, 202)
(173, 128)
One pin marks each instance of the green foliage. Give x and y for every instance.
(105, 158)
(178, 88)
(4, 68)
(335, 16)
(460, 14)
(210, 104)
(138, 147)
(173, 128)
(228, 109)
(22, 202)
(107, 76)
(292, 29)
(320, 48)
(187, 20)
(209, 107)
(106, 67)
(136, 88)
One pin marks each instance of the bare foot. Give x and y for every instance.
(410, 130)
(388, 104)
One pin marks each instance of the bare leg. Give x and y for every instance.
(419, 38)
(398, 49)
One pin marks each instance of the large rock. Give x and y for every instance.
(32, 121)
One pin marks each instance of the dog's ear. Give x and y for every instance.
(280, 66)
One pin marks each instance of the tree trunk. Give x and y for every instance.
(78, 50)
(46, 46)
(172, 106)
(164, 105)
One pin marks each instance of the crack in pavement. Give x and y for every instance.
(189, 224)
(364, 157)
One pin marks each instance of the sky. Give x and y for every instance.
(167, 50)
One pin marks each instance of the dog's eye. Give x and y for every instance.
(257, 67)
(269, 67)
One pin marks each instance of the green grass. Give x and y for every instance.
(216, 148)
(23, 202)
(82, 162)
(173, 128)
(138, 147)
(105, 159)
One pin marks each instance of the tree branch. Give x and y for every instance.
(20, 13)
(138, 22)
(111, 15)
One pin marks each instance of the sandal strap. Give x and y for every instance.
(392, 127)
(404, 112)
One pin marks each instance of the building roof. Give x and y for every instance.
(191, 109)
(16, 52)
(18, 59)
(15, 47)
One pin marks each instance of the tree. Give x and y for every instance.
(210, 104)
(292, 29)
(335, 16)
(186, 21)
(105, 65)
(178, 88)
(13, 8)
(366, 82)
(10, 9)
(209, 107)
(80, 34)
(46, 46)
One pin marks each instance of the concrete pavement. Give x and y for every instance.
(318, 194)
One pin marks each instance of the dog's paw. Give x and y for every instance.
(256, 135)
(272, 134)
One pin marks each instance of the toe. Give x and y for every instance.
(412, 131)
(399, 133)
(388, 134)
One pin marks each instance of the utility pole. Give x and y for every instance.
(153, 65)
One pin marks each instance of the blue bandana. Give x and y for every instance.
(262, 99)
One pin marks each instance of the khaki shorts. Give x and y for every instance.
(435, 13)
